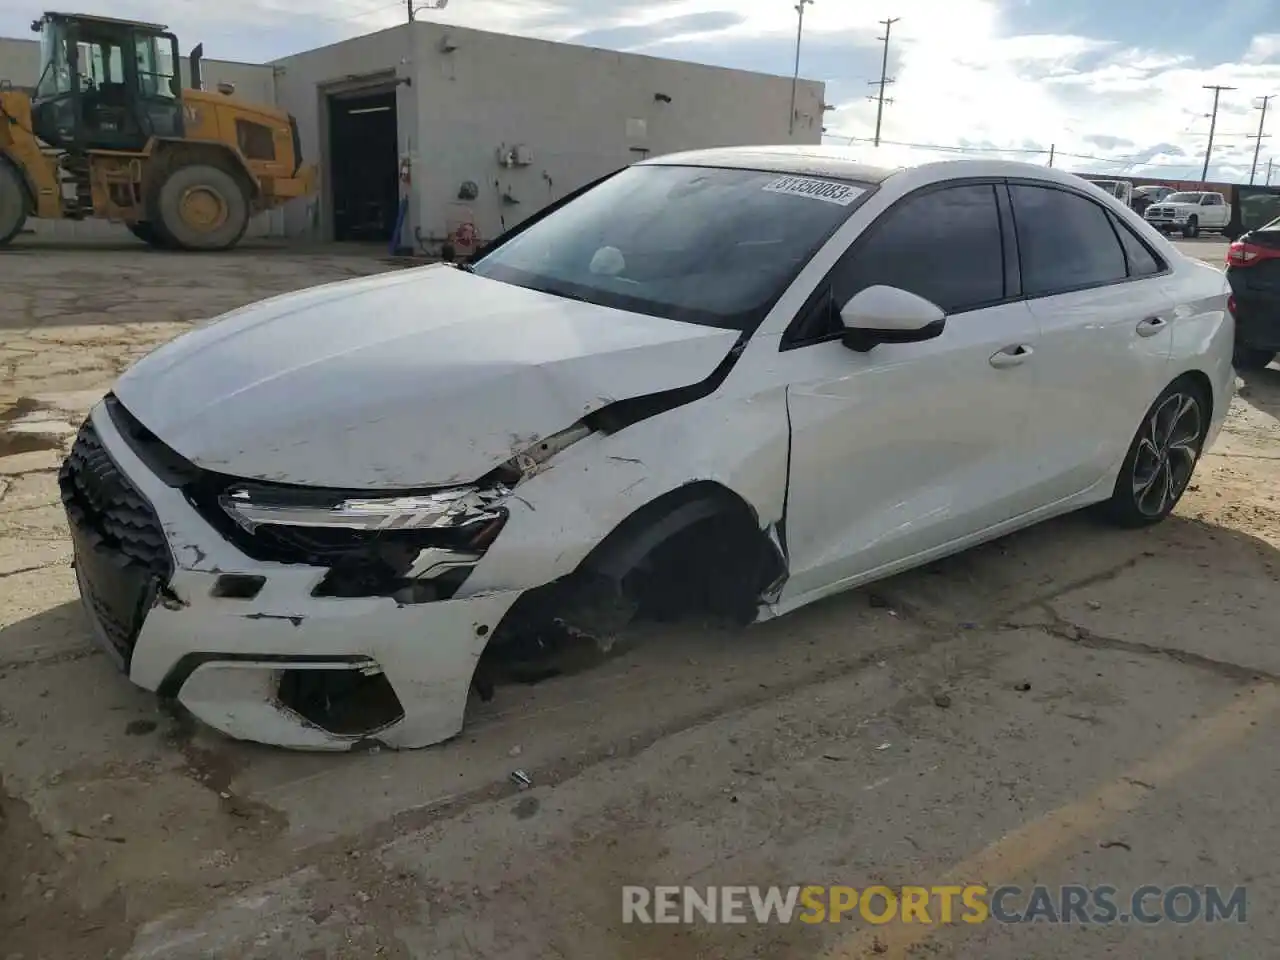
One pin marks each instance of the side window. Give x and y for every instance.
(1065, 241)
(1142, 262)
(943, 245)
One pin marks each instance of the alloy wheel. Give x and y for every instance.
(1168, 449)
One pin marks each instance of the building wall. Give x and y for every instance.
(303, 84)
(19, 61)
(577, 112)
(20, 65)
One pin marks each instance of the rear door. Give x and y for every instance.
(1214, 211)
(1101, 298)
(908, 447)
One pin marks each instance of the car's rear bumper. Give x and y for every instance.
(1258, 320)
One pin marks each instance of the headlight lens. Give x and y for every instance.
(442, 509)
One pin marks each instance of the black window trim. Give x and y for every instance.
(1008, 240)
(822, 290)
(1162, 265)
(1111, 216)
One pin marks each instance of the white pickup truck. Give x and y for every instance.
(1190, 213)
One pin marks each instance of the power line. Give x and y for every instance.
(884, 78)
(1257, 138)
(1217, 89)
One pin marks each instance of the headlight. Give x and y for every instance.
(251, 508)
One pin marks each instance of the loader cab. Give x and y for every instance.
(105, 84)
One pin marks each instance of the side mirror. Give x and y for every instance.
(883, 314)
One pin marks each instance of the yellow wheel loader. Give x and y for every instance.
(108, 132)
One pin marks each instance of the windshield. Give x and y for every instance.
(704, 245)
(155, 65)
(55, 72)
(1184, 197)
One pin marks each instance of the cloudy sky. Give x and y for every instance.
(1114, 85)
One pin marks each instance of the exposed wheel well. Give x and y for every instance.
(1201, 382)
(698, 550)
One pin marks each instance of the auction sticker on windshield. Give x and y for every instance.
(840, 193)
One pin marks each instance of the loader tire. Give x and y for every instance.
(148, 234)
(13, 203)
(201, 207)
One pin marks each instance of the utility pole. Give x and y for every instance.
(884, 80)
(1269, 162)
(795, 75)
(1213, 122)
(1259, 135)
(1052, 147)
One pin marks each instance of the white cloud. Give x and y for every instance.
(962, 76)
(1263, 48)
(961, 79)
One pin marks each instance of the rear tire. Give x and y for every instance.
(1251, 358)
(1162, 457)
(13, 203)
(202, 207)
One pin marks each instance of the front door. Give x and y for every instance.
(908, 447)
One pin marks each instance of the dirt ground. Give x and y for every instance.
(1070, 704)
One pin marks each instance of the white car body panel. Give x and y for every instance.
(374, 361)
(872, 477)
(897, 456)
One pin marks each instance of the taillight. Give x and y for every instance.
(1231, 306)
(1245, 254)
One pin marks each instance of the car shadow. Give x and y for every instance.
(1182, 565)
(1262, 389)
(59, 633)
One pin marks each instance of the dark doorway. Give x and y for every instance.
(364, 161)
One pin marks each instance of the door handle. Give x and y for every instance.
(1011, 356)
(1151, 326)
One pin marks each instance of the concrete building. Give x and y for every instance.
(479, 130)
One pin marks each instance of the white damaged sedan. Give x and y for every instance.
(728, 382)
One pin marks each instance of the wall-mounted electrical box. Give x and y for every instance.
(516, 156)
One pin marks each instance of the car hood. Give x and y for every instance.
(417, 378)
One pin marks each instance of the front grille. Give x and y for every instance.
(102, 501)
(121, 551)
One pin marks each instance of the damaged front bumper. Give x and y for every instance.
(246, 645)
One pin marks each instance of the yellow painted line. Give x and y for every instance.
(1026, 848)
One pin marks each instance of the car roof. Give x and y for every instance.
(800, 159)
(846, 163)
